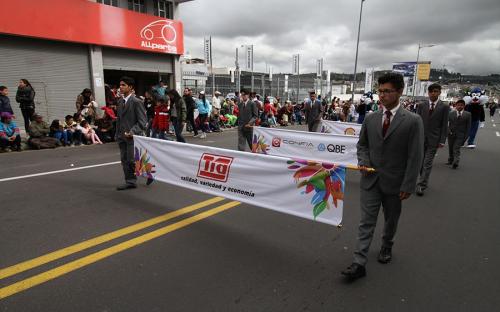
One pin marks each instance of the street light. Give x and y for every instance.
(420, 46)
(357, 47)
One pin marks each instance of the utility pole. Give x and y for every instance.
(357, 48)
(238, 81)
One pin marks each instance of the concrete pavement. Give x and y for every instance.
(244, 258)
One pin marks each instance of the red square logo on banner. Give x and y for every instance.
(214, 167)
(276, 142)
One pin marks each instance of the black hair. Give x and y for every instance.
(244, 91)
(393, 78)
(129, 81)
(55, 123)
(460, 101)
(2, 88)
(68, 117)
(26, 82)
(85, 122)
(433, 87)
(174, 95)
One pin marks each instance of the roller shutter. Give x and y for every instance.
(58, 72)
(121, 59)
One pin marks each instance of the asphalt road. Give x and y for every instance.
(240, 258)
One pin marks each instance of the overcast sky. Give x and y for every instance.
(466, 32)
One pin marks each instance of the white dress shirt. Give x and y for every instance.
(393, 111)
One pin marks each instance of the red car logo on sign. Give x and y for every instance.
(276, 142)
(214, 167)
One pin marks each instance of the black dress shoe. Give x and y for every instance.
(385, 255)
(149, 181)
(419, 191)
(455, 166)
(126, 187)
(354, 271)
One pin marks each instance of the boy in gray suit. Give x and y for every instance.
(246, 120)
(458, 131)
(131, 120)
(392, 142)
(434, 114)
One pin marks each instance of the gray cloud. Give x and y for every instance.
(466, 33)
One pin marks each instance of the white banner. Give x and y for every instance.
(207, 47)
(296, 64)
(338, 149)
(249, 57)
(286, 83)
(369, 80)
(270, 73)
(339, 127)
(301, 188)
(319, 68)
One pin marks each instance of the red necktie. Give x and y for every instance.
(387, 122)
(432, 109)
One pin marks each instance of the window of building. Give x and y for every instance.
(109, 2)
(163, 8)
(137, 6)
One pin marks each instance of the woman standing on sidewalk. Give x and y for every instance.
(204, 108)
(178, 113)
(25, 96)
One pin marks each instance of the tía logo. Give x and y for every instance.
(214, 167)
(159, 35)
(321, 147)
(276, 142)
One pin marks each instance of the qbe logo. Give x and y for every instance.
(214, 167)
(276, 142)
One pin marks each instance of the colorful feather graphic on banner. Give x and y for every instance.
(326, 180)
(143, 165)
(259, 144)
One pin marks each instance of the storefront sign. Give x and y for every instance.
(306, 189)
(338, 127)
(339, 149)
(88, 22)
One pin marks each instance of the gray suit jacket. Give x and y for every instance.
(248, 114)
(459, 127)
(435, 125)
(398, 157)
(131, 117)
(313, 111)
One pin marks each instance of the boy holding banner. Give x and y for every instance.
(392, 142)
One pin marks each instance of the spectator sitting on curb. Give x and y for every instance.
(5, 101)
(74, 134)
(9, 134)
(89, 133)
(38, 132)
(57, 131)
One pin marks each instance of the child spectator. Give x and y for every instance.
(161, 119)
(5, 101)
(89, 133)
(74, 134)
(57, 131)
(9, 134)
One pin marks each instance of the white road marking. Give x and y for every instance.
(498, 134)
(494, 125)
(59, 171)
